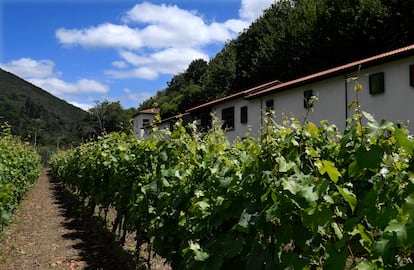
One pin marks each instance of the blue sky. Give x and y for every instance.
(87, 51)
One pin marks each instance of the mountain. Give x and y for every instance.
(35, 115)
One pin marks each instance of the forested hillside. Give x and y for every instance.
(33, 112)
(291, 39)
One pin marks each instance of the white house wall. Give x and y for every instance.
(396, 103)
(239, 129)
(139, 124)
(330, 106)
(334, 95)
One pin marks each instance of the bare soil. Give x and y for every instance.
(51, 231)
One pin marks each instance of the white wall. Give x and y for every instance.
(334, 95)
(139, 123)
(253, 117)
(330, 105)
(397, 101)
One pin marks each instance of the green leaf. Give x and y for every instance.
(403, 141)
(329, 167)
(408, 206)
(365, 265)
(400, 230)
(244, 221)
(201, 255)
(312, 129)
(337, 230)
(348, 196)
(366, 237)
(203, 205)
(317, 218)
(285, 166)
(383, 247)
(370, 159)
(336, 259)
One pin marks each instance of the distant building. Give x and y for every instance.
(388, 93)
(142, 120)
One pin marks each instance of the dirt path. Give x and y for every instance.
(49, 232)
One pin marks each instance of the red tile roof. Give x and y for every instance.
(234, 96)
(150, 111)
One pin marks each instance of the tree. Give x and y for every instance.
(106, 117)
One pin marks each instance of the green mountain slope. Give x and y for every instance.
(34, 114)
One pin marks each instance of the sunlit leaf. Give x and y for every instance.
(348, 196)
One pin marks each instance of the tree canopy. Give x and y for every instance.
(106, 117)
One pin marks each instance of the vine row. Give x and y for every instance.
(302, 196)
(20, 166)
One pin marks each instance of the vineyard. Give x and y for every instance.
(302, 196)
(20, 166)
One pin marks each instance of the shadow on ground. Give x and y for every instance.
(96, 245)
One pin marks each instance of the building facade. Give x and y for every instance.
(388, 93)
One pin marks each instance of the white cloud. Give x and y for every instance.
(173, 60)
(153, 26)
(142, 73)
(252, 9)
(29, 68)
(104, 35)
(137, 96)
(61, 88)
(134, 59)
(168, 61)
(160, 38)
(119, 64)
(83, 106)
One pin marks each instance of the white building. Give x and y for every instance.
(142, 120)
(388, 93)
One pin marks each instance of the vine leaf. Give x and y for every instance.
(326, 166)
(348, 196)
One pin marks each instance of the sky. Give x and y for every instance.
(115, 50)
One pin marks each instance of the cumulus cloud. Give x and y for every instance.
(104, 35)
(252, 9)
(160, 38)
(142, 73)
(152, 26)
(29, 68)
(61, 88)
(168, 61)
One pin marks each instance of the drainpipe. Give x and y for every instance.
(346, 101)
(261, 114)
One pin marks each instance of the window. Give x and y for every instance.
(145, 122)
(269, 105)
(376, 83)
(307, 96)
(412, 75)
(243, 115)
(227, 115)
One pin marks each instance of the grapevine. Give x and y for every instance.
(20, 166)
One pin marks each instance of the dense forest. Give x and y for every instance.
(291, 39)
